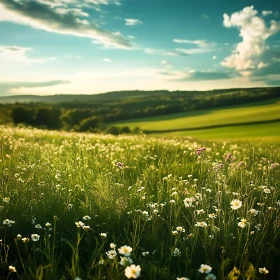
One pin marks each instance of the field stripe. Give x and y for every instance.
(211, 126)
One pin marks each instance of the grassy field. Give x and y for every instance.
(255, 112)
(267, 132)
(83, 206)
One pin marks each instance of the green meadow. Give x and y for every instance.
(246, 121)
(266, 132)
(85, 206)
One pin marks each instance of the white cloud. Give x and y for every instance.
(214, 57)
(177, 52)
(85, 3)
(160, 52)
(199, 43)
(132, 21)
(266, 13)
(166, 63)
(262, 65)
(107, 60)
(63, 21)
(19, 54)
(192, 51)
(203, 46)
(180, 41)
(131, 79)
(248, 54)
(125, 79)
(15, 86)
(74, 11)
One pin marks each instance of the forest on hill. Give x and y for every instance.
(95, 112)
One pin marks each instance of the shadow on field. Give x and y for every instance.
(211, 126)
(201, 112)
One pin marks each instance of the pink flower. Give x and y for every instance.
(200, 150)
(120, 164)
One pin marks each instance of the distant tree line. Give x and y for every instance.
(53, 118)
(101, 115)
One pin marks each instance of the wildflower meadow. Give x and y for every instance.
(84, 206)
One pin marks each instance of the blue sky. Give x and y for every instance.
(94, 46)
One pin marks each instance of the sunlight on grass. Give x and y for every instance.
(269, 132)
(84, 206)
(250, 113)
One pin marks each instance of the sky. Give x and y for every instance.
(95, 46)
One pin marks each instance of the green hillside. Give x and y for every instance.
(260, 111)
(217, 123)
(266, 132)
(133, 94)
(152, 111)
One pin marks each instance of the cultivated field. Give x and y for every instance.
(84, 206)
(264, 132)
(236, 122)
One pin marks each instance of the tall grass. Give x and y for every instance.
(70, 202)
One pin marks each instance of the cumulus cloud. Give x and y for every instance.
(249, 53)
(271, 67)
(132, 21)
(67, 20)
(19, 54)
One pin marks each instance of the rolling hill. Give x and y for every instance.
(217, 113)
(250, 120)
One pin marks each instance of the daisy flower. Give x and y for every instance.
(204, 268)
(125, 250)
(236, 204)
(132, 271)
